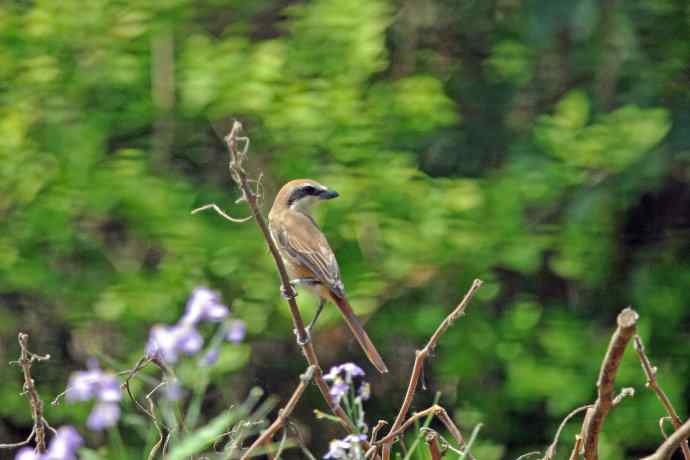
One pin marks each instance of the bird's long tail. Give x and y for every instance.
(360, 334)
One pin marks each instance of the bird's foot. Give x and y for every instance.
(288, 294)
(307, 337)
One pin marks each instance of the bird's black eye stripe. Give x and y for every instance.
(302, 192)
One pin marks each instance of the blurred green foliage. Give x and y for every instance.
(541, 146)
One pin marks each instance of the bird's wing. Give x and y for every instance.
(305, 243)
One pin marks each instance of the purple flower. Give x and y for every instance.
(344, 372)
(27, 453)
(342, 378)
(204, 305)
(346, 448)
(172, 391)
(99, 385)
(64, 445)
(210, 357)
(236, 330)
(82, 385)
(338, 390)
(103, 415)
(167, 342)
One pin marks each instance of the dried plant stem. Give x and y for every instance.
(594, 418)
(25, 361)
(432, 442)
(435, 410)
(420, 357)
(551, 450)
(239, 175)
(283, 414)
(575, 453)
(669, 446)
(650, 373)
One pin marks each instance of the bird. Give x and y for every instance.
(309, 259)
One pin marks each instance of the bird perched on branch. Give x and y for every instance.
(309, 259)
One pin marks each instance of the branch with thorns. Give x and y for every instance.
(238, 155)
(594, 418)
(25, 361)
(650, 373)
(418, 367)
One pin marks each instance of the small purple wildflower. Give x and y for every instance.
(173, 391)
(344, 372)
(102, 386)
(167, 342)
(27, 453)
(211, 357)
(204, 305)
(236, 330)
(63, 446)
(338, 390)
(342, 378)
(103, 415)
(346, 448)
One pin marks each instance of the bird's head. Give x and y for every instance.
(302, 194)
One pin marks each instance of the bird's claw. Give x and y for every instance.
(307, 337)
(288, 294)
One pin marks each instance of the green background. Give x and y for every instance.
(542, 146)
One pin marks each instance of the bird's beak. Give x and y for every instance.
(328, 194)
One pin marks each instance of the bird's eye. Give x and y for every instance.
(309, 190)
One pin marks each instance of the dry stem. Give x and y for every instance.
(432, 442)
(551, 450)
(421, 356)
(26, 359)
(239, 175)
(575, 453)
(283, 414)
(669, 446)
(594, 419)
(650, 373)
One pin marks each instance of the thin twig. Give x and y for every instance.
(529, 454)
(650, 373)
(669, 446)
(239, 175)
(436, 411)
(375, 431)
(38, 431)
(575, 453)
(283, 414)
(222, 213)
(420, 358)
(551, 450)
(594, 419)
(20, 443)
(300, 441)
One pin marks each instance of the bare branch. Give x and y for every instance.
(650, 373)
(239, 175)
(432, 442)
(222, 213)
(26, 359)
(421, 356)
(551, 450)
(529, 454)
(283, 414)
(594, 419)
(20, 443)
(575, 453)
(669, 446)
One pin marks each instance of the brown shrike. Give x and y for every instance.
(308, 258)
